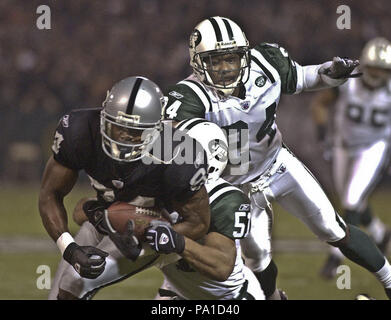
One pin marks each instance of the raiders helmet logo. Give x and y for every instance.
(195, 39)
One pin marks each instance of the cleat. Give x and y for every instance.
(384, 243)
(283, 295)
(329, 270)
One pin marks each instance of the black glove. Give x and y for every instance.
(94, 211)
(127, 243)
(341, 68)
(163, 239)
(88, 261)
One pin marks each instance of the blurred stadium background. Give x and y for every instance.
(91, 45)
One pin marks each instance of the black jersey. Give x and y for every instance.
(78, 146)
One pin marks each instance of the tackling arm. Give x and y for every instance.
(196, 215)
(215, 259)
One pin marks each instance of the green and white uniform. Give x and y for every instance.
(230, 216)
(361, 141)
(268, 170)
(272, 73)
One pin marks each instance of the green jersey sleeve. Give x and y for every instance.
(230, 215)
(279, 58)
(184, 103)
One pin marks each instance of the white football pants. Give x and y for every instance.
(357, 171)
(291, 184)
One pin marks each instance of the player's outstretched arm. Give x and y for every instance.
(195, 212)
(57, 182)
(327, 75)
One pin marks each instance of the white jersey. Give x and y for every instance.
(362, 116)
(249, 121)
(192, 285)
(230, 216)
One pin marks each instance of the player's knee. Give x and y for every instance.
(65, 295)
(256, 258)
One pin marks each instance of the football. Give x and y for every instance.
(119, 213)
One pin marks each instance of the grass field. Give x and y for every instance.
(298, 271)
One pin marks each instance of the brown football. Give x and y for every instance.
(120, 213)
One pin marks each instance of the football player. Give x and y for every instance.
(216, 260)
(211, 268)
(361, 148)
(239, 88)
(123, 149)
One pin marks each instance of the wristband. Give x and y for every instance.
(64, 241)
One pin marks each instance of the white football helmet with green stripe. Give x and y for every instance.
(218, 36)
(212, 139)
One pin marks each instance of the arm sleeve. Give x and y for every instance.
(311, 79)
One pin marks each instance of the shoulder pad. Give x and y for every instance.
(187, 99)
(280, 60)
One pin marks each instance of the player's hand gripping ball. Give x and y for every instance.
(119, 214)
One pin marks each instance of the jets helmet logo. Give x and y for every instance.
(218, 149)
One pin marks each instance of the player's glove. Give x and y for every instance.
(94, 211)
(88, 261)
(126, 242)
(163, 239)
(340, 68)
